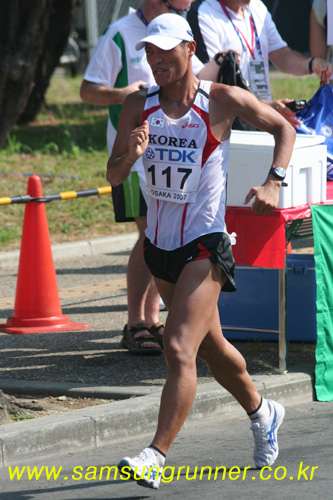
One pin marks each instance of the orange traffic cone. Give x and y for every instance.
(37, 304)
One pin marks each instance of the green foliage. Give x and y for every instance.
(14, 146)
(66, 147)
(9, 234)
(21, 416)
(301, 87)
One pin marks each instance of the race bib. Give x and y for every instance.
(173, 174)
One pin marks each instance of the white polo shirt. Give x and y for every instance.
(219, 33)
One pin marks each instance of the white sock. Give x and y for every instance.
(262, 414)
(159, 456)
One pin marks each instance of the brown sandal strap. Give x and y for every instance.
(140, 327)
(154, 330)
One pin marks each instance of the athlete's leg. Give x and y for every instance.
(228, 366)
(191, 303)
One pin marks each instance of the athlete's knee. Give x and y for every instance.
(177, 356)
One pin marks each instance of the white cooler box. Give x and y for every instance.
(251, 155)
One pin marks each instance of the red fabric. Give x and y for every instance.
(203, 254)
(261, 239)
(329, 190)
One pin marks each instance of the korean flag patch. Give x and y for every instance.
(157, 122)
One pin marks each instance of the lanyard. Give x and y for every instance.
(142, 17)
(254, 33)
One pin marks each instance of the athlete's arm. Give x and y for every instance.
(233, 101)
(131, 140)
(101, 95)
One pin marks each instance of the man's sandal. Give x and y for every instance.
(157, 331)
(134, 344)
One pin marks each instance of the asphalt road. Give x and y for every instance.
(303, 470)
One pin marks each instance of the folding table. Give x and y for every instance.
(262, 241)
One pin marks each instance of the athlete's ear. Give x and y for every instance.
(192, 46)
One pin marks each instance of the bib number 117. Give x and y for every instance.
(167, 173)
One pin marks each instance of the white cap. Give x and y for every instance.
(166, 31)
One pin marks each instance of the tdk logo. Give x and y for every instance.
(150, 155)
(175, 155)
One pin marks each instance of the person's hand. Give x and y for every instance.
(238, 54)
(221, 55)
(133, 87)
(138, 141)
(322, 68)
(288, 114)
(266, 197)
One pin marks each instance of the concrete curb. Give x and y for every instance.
(116, 243)
(98, 426)
(46, 388)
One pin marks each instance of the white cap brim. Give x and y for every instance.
(162, 42)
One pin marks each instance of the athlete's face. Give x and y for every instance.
(169, 66)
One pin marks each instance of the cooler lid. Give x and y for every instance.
(241, 139)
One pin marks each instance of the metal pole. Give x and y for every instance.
(115, 14)
(90, 7)
(283, 319)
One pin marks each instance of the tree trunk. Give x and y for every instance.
(56, 39)
(9, 405)
(23, 24)
(33, 34)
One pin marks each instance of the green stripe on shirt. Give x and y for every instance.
(122, 79)
(132, 195)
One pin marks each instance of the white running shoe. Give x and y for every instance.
(266, 447)
(143, 468)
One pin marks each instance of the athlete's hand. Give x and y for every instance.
(266, 197)
(288, 114)
(138, 141)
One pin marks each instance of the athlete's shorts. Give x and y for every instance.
(167, 265)
(129, 198)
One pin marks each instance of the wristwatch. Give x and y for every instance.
(278, 172)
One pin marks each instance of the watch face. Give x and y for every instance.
(280, 172)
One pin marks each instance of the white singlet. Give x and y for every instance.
(186, 169)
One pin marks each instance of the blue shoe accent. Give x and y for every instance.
(266, 448)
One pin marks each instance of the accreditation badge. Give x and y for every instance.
(259, 79)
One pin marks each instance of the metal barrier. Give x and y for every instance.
(66, 195)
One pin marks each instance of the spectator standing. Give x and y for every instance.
(246, 27)
(319, 29)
